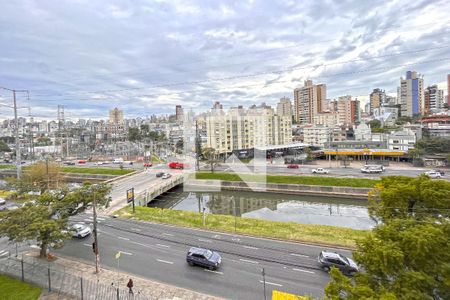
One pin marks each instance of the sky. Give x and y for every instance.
(145, 56)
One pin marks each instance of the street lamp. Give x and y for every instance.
(264, 281)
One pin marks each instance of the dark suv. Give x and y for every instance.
(328, 259)
(203, 257)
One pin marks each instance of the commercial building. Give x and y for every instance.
(284, 107)
(316, 135)
(309, 100)
(387, 115)
(437, 125)
(179, 113)
(377, 99)
(116, 116)
(411, 94)
(434, 99)
(401, 140)
(241, 128)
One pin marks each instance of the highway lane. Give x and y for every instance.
(158, 252)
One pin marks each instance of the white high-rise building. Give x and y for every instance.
(284, 107)
(434, 99)
(411, 95)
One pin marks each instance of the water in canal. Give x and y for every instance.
(276, 207)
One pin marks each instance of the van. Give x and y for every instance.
(118, 161)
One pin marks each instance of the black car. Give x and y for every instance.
(203, 257)
(328, 259)
(160, 174)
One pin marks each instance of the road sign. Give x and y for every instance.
(130, 195)
(118, 255)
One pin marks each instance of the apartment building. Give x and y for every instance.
(316, 135)
(240, 128)
(377, 99)
(410, 94)
(284, 107)
(434, 100)
(309, 100)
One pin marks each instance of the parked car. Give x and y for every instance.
(160, 174)
(204, 258)
(80, 230)
(328, 259)
(148, 165)
(292, 166)
(166, 176)
(2, 201)
(69, 163)
(320, 171)
(433, 174)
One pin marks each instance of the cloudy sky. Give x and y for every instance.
(146, 56)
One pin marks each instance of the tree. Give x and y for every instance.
(374, 124)
(209, 154)
(4, 147)
(433, 145)
(179, 146)
(406, 256)
(403, 120)
(134, 134)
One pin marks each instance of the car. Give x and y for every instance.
(433, 174)
(99, 163)
(81, 162)
(320, 171)
(118, 161)
(292, 166)
(204, 258)
(2, 201)
(176, 165)
(372, 169)
(80, 230)
(166, 176)
(160, 174)
(69, 163)
(148, 165)
(328, 259)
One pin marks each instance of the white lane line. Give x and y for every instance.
(140, 244)
(87, 220)
(137, 229)
(304, 271)
(168, 234)
(204, 240)
(165, 261)
(35, 247)
(161, 245)
(250, 247)
(101, 219)
(3, 252)
(249, 261)
(212, 271)
(300, 255)
(271, 283)
(87, 245)
(127, 253)
(123, 238)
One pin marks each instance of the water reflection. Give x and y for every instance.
(277, 207)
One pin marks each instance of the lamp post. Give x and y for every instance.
(264, 282)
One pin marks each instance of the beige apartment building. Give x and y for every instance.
(309, 100)
(240, 128)
(116, 116)
(284, 107)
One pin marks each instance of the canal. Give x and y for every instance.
(276, 207)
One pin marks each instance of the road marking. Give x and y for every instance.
(271, 283)
(161, 245)
(127, 253)
(3, 253)
(250, 247)
(206, 241)
(87, 220)
(123, 238)
(87, 245)
(101, 219)
(165, 261)
(216, 236)
(304, 271)
(300, 255)
(168, 234)
(137, 229)
(35, 247)
(249, 261)
(212, 271)
(236, 239)
(140, 244)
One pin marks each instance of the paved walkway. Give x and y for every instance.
(150, 289)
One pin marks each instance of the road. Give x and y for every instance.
(158, 252)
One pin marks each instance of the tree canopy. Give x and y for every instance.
(433, 145)
(406, 256)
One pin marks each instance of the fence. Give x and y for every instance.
(57, 279)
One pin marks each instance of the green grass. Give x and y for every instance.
(298, 179)
(12, 289)
(320, 234)
(99, 171)
(7, 166)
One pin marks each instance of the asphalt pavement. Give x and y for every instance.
(158, 252)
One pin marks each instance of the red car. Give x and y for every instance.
(176, 165)
(292, 166)
(81, 162)
(147, 165)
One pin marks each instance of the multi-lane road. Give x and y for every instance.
(158, 252)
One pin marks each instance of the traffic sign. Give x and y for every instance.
(130, 195)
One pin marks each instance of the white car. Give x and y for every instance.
(118, 161)
(166, 175)
(80, 230)
(99, 163)
(2, 201)
(320, 171)
(433, 174)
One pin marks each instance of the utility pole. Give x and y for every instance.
(197, 147)
(94, 204)
(16, 136)
(48, 179)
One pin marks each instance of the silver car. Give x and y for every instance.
(81, 230)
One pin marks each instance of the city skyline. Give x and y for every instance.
(215, 53)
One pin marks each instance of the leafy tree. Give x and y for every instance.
(406, 256)
(134, 134)
(403, 120)
(433, 145)
(179, 146)
(374, 124)
(209, 154)
(4, 147)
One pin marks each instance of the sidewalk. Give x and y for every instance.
(148, 288)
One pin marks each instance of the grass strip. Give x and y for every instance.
(298, 179)
(7, 166)
(98, 171)
(319, 234)
(13, 289)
